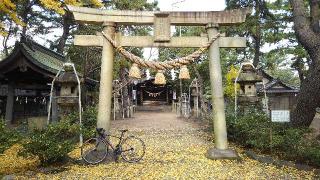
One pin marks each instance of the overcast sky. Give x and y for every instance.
(164, 5)
(191, 5)
(184, 5)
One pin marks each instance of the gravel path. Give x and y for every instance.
(175, 149)
(153, 121)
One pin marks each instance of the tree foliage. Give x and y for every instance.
(36, 17)
(8, 11)
(272, 43)
(60, 6)
(229, 82)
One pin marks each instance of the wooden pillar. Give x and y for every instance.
(54, 108)
(141, 96)
(106, 77)
(167, 95)
(219, 120)
(9, 105)
(196, 105)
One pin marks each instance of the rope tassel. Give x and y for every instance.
(135, 71)
(160, 78)
(184, 72)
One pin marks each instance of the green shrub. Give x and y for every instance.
(8, 137)
(53, 143)
(308, 151)
(89, 121)
(255, 130)
(251, 130)
(90, 117)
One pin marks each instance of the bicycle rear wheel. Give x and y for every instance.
(132, 149)
(94, 151)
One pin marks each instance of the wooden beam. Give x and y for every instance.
(98, 16)
(147, 41)
(32, 86)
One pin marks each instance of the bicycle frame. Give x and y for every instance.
(107, 141)
(103, 140)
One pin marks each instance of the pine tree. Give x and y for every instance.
(306, 17)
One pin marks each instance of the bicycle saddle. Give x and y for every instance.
(123, 130)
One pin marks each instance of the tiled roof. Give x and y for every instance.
(269, 87)
(43, 56)
(37, 54)
(273, 82)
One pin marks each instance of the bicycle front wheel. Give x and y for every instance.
(94, 151)
(132, 149)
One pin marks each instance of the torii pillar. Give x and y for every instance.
(219, 119)
(106, 77)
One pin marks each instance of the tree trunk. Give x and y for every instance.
(26, 11)
(315, 15)
(5, 41)
(125, 93)
(84, 76)
(203, 106)
(309, 97)
(66, 31)
(298, 65)
(257, 36)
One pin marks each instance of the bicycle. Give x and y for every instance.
(95, 150)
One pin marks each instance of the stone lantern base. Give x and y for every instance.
(214, 153)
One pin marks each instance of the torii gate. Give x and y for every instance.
(161, 22)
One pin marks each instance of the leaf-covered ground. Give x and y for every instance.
(172, 152)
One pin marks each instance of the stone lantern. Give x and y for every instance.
(247, 80)
(67, 82)
(194, 94)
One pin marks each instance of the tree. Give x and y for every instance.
(34, 17)
(255, 26)
(306, 17)
(66, 19)
(272, 43)
(229, 83)
(8, 11)
(9, 22)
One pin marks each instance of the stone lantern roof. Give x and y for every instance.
(67, 76)
(248, 74)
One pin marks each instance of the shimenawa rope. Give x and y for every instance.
(161, 65)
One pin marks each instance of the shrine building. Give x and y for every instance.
(25, 81)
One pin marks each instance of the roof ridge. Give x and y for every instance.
(275, 80)
(265, 72)
(32, 44)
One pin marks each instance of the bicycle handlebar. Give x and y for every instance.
(102, 131)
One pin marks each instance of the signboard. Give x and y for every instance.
(280, 115)
(174, 95)
(162, 29)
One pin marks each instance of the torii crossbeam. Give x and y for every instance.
(162, 38)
